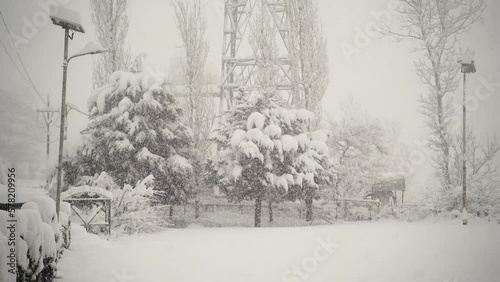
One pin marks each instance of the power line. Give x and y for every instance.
(10, 99)
(21, 60)
(14, 63)
(23, 108)
(77, 110)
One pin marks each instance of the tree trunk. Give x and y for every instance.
(196, 208)
(171, 211)
(270, 202)
(258, 210)
(309, 211)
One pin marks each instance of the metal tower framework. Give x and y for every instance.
(237, 70)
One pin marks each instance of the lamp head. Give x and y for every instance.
(67, 19)
(91, 48)
(467, 63)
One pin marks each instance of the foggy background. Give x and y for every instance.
(381, 77)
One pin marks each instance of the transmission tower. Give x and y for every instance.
(237, 68)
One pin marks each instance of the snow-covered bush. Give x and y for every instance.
(132, 210)
(483, 185)
(49, 254)
(43, 239)
(47, 209)
(4, 267)
(65, 221)
(266, 153)
(34, 240)
(480, 202)
(135, 130)
(20, 246)
(38, 237)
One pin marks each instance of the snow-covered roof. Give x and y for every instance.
(390, 185)
(76, 191)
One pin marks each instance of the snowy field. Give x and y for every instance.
(349, 252)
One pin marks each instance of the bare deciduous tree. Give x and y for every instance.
(309, 55)
(435, 25)
(111, 27)
(200, 112)
(366, 151)
(359, 146)
(482, 173)
(307, 47)
(199, 108)
(263, 42)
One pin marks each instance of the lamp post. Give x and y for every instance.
(466, 66)
(68, 20)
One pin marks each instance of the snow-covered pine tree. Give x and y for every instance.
(135, 130)
(263, 145)
(314, 167)
(263, 42)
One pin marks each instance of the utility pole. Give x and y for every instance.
(48, 117)
(66, 19)
(467, 66)
(63, 121)
(464, 149)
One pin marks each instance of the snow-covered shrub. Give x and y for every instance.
(43, 238)
(135, 130)
(49, 253)
(38, 241)
(483, 185)
(34, 240)
(20, 245)
(65, 222)
(4, 267)
(47, 208)
(132, 210)
(480, 202)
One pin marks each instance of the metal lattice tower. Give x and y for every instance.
(237, 69)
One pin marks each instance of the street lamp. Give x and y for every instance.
(68, 20)
(466, 66)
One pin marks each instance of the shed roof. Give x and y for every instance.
(391, 185)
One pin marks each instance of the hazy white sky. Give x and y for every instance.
(380, 77)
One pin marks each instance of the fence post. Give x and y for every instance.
(196, 209)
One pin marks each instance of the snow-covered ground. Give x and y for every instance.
(364, 251)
